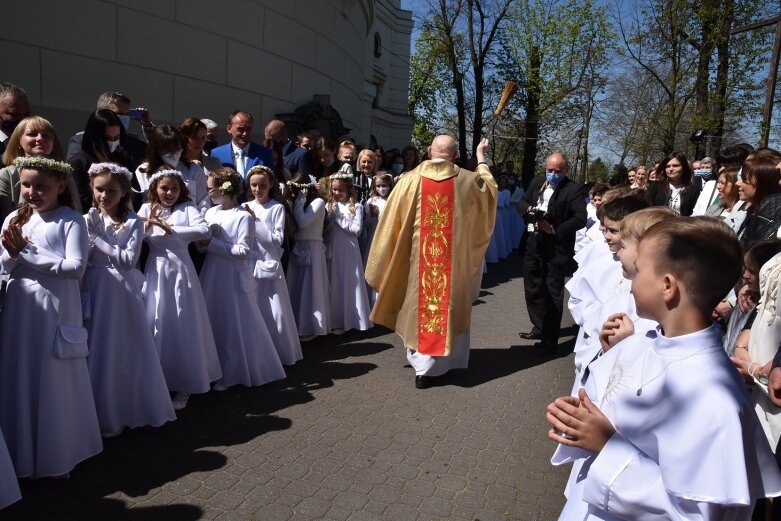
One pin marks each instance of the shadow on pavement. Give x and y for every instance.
(490, 364)
(180, 454)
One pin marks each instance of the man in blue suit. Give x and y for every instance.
(241, 154)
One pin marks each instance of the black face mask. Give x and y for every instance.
(8, 125)
(210, 145)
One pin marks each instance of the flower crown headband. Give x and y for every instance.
(43, 163)
(99, 168)
(346, 172)
(165, 172)
(300, 186)
(260, 168)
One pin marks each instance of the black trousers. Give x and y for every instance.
(543, 284)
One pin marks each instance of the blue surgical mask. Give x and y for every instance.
(703, 172)
(553, 177)
(398, 168)
(125, 120)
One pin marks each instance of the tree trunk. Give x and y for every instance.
(532, 124)
(718, 106)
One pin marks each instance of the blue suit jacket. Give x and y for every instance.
(297, 159)
(256, 155)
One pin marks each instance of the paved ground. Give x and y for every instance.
(345, 437)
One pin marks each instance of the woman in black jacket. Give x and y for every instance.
(674, 186)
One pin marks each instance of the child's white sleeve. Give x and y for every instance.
(241, 249)
(626, 483)
(196, 229)
(72, 265)
(351, 225)
(127, 257)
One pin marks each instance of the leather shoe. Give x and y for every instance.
(531, 335)
(423, 381)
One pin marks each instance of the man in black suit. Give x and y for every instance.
(296, 158)
(14, 107)
(554, 208)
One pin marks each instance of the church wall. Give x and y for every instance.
(182, 58)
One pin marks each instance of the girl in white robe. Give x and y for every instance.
(245, 348)
(174, 300)
(127, 381)
(506, 211)
(307, 273)
(272, 294)
(349, 300)
(47, 413)
(381, 189)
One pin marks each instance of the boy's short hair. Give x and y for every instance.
(599, 189)
(609, 196)
(635, 224)
(703, 252)
(623, 205)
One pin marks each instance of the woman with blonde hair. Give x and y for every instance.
(33, 136)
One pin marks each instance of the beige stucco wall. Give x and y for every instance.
(183, 58)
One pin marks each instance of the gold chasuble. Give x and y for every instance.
(426, 260)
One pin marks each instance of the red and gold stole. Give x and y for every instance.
(436, 252)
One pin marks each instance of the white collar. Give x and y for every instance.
(236, 149)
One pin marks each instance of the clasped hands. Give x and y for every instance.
(13, 240)
(577, 422)
(154, 219)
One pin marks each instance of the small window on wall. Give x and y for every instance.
(377, 45)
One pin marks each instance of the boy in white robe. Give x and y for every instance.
(602, 279)
(674, 436)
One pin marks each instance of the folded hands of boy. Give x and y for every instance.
(577, 422)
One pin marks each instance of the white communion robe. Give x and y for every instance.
(687, 444)
(273, 297)
(127, 380)
(47, 413)
(175, 305)
(244, 345)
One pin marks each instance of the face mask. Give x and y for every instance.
(112, 145)
(398, 168)
(210, 144)
(553, 178)
(8, 126)
(125, 120)
(705, 173)
(383, 191)
(511, 183)
(172, 158)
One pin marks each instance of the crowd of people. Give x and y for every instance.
(674, 411)
(139, 269)
(167, 259)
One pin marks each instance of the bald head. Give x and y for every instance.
(443, 147)
(275, 131)
(557, 162)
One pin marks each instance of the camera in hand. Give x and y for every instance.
(534, 215)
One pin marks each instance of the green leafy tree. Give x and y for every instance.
(558, 51)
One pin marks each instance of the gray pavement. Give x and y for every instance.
(345, 437)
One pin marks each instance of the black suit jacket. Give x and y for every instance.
(658, 196)
(568, 209)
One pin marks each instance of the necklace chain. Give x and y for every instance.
(643, 383)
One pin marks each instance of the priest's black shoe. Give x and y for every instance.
(531, 335)
(423, 381)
